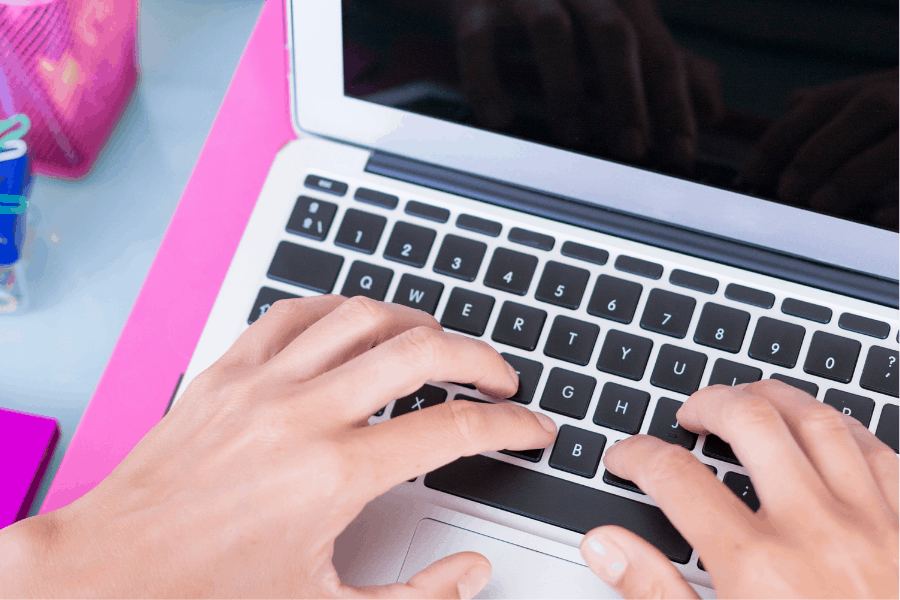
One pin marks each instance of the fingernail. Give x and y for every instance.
(473, 580)
(513, 374)
(546, 422)
(604, 558)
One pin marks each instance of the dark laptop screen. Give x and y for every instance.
(790, 100)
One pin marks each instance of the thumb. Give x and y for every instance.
(458, 576)
(632, 566)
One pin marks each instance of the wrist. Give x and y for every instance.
(31, 555)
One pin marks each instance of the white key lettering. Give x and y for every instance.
(683, 366)
(625, 352)
(416, 295)
(568, 391)
(619, 405)
(517, 325)
(572, 336)
(466, 308)
(576, 451)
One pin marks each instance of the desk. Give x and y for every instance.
(96, 237)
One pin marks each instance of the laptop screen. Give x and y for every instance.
(794, 101)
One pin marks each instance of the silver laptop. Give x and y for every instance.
(489, 181)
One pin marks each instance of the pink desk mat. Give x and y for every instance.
(162, 331)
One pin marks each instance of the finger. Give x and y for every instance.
(882, 460)
(460, 575)
(630, 565)
(711, 518)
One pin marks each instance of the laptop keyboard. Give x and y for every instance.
(659, 338)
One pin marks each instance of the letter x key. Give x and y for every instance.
(427, 395)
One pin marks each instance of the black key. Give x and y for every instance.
(325, 185)
(479, 225)
(726, 372)
(376, 198)
(832, 356)
(858, 407)
(716, 447)
(619, 482)
(467, 311)
(519, 325)
(567, 393)
(614, 299)
(460, 257)
(692, 281)
(742, 488)
(806, 386)
(556, 501)
(427, 395)
(880, 372)
(888, 425)
(678, 369)
(360, 231)
(577, 451)
(585, 253)
(636, 266)
(264, 301)
(379, 413)
(805, 310)
(624, 355)
(306, 267)
(621, 408)
(571, 340)
(517, 235)
(668, 313)
(367, 280)
(311, 218)
(562, 285)
(409, 244)
(529, 372)
(722, 327)
(427, 211)
(416, 292)
(529, 455)
(740, 293)
(510, 271)
(865, 326)
(472, 399)
(776, 342)
(664, 424)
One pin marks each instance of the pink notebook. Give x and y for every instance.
(163, 329)
(26, 445)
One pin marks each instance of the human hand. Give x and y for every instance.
(828, 491)
(242, 488)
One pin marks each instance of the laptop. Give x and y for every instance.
(615, 285)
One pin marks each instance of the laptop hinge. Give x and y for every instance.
(639, 229)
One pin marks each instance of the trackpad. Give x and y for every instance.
(518, 572)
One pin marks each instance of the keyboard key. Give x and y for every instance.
(865, 326)
(426, 396)
(306, 267)
(376, 198)
(325, 185)
(621, 408)
(562, 285)
(625, 484)
(556, 501)
(517, 235)
(624, 355)
(678, 369)
(858, 407)
(311, 218)
(360, 231)
(664, 424)
(888, 425)
(467, 311)
(567, 393)
(805, 310)
(571, 340)
(479, 225)
(746, 295)
(510, 271)
(264, 301)
(416, 292)
(529, 374)
(519, 325)
(880, 372)
(806, 386)
(367, 280)
(585, 253)
(427, 211)
(832, 356)
(577, 451)
(614, 299)
(716, 447)
(409, 244)
(730, 373)
(722, 327)
(692, 281)
(639, 267)
(742, 488)
(668, 313)
(529, 455)
(776, 342)
(460, 257)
